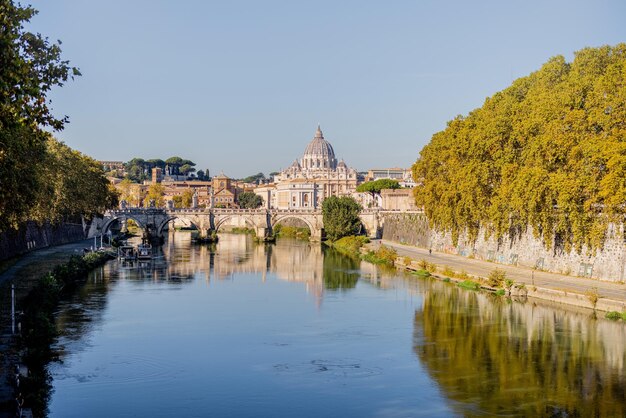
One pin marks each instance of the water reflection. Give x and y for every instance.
(295, 329)
(491, 356)
(291, 260)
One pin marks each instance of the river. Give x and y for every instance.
(295, 330)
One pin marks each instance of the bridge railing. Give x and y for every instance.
(220, 211)
(135, 211)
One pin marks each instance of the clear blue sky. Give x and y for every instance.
(240, 86)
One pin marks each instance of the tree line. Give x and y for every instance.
(138, 169)
(547, 152)
(41, 179)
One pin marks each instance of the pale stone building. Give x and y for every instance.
(399, 199)
(402, 175)
(308, 181)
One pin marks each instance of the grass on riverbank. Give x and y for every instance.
(351, 245)
(615, 316)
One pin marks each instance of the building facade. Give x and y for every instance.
(308, 181)
(402, 175)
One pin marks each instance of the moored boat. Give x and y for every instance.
(144, 251)
(126, 252)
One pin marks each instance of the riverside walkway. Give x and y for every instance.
(615, 293)
(24, 273)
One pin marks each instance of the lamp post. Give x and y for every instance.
(12, 308)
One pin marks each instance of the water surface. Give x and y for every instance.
(290, 329)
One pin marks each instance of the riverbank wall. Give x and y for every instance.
(555, 296)
(33, 236)
(524, 250)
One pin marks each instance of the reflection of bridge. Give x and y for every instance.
(263, 221)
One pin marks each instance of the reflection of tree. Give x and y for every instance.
(83, 308)
(493, 357)
(340, 271)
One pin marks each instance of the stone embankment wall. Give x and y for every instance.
(33, 236)
(525, 250)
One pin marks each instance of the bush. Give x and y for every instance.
(407, 261)
(388, 254)
(421, 273)
(350, 244)
(468, 284)
(496, 278)
(500, 292)
(383, 255)
(613, 315)
(446, 280)
(508, 284)
(447, 271)
(593, 296)
(423, 264)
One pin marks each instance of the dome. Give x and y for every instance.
(319, 154)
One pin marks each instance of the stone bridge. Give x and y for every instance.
(263, 221)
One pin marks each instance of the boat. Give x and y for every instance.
(126, 252)
(144, 251)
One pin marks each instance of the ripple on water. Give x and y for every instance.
(115, 372)
(347, 368)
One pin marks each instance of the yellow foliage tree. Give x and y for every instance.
(547, 152)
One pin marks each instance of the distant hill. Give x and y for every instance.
(548, 152)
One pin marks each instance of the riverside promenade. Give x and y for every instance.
(24, 273)
(550, 286)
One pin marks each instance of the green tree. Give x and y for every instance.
(30, 66)
(156, 163)
(341, 217)
(136, 170)
(249, 200)
(374, 187)
(186, 169)
(174, 163)
(75, 185)
(254, 178)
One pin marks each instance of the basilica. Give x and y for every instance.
(308, 181)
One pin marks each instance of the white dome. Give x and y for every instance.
(319, 154)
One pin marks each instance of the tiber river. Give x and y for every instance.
(295, 330)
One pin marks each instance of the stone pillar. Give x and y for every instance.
(316, 234)
(194, 200)
(261, 232)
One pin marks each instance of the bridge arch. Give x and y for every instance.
(280, 218)
(170, 218)
(221, 220)
(107, 224)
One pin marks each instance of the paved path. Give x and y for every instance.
(45, 258)
(610, 290)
